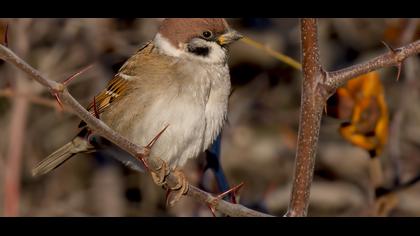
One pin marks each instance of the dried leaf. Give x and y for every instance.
(361, 103)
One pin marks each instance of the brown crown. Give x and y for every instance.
(182, 30)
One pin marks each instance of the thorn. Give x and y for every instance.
(399, 66)
(69, 79)
(59, 101)
(150, 145)
(6, 31)
(234, 190)
(95, 108)
(213, 211)
(388, 47)
(144, 163)
(233, 198)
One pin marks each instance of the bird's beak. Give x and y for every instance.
(229, 37)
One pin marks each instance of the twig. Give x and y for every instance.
(32, 98)
(317, 87)
(17, 133)
(410, 31)
(407, 91)
(279, 56)
(103, 130)
(397, 187)
(14, 160)
(338, 78)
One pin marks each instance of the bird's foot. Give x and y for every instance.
(180, 189)
(159, 175)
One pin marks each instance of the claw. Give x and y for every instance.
(159, 175)
(180, 189)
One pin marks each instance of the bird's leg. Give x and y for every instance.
(180, 189)
(159, 174)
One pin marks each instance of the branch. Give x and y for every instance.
(317, 87)
(408, 92)
(8, 93)
(17, 128)
(279, 56)
(338, 78)
(103, 130)
(309, 121)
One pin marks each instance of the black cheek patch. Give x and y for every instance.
(200, 51)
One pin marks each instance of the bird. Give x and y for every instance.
(178, 82)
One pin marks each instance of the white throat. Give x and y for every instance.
(217, 55)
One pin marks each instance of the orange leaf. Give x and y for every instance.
(361, 102)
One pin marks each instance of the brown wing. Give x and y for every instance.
(117, 86)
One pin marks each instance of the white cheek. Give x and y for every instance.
(166, 47)
(217, 55)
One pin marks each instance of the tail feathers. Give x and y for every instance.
(57, 158)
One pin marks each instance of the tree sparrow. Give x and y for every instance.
(181, 79)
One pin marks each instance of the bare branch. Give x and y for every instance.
(7, 55)
(338, 78)
(103, 130)
(279, 56)
(310, 119)
(409, 31)
(408, 92)
(17, 132)
(32, 98)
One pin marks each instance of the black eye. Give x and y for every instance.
(207, 34)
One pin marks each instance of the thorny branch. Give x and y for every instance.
(338, 78)
(317, 87)
(100, 128)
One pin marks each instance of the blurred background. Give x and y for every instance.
(258, 142)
